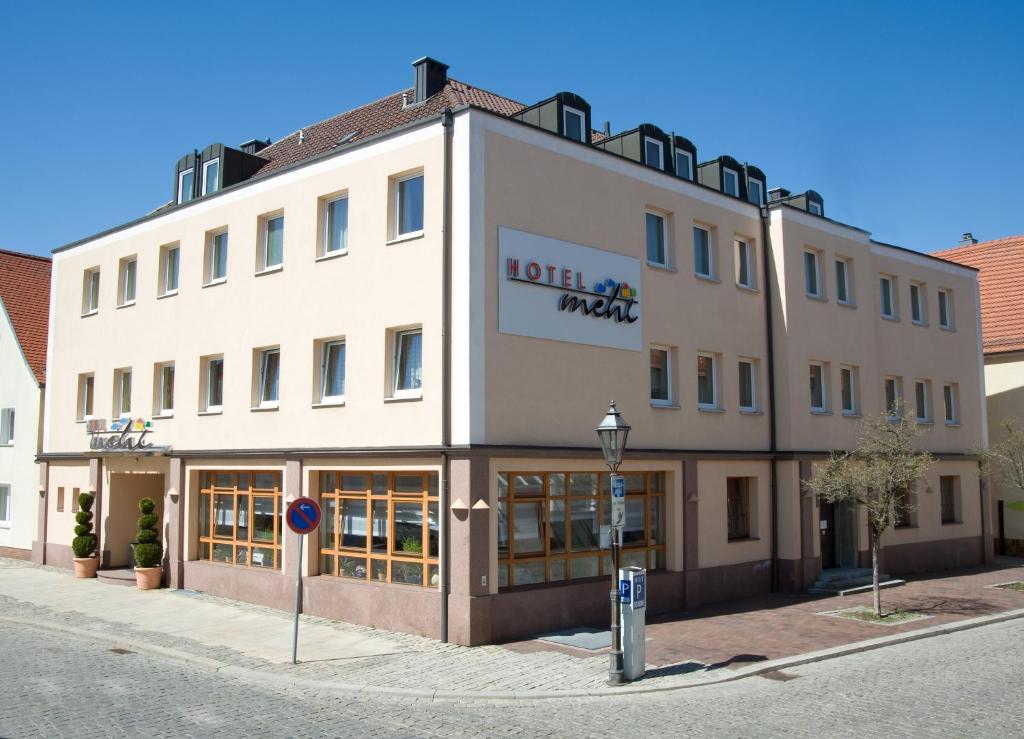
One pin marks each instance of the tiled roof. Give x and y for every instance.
(25, 292)
(376, 118)
(1001, 278)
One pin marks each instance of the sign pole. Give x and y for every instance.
(618, 518)
(303, 516)
(298, 600)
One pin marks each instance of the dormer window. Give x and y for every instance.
(574, 124)
(654, 154)
(813, 208)
(684, 164)
(730, 182)
(211, 176)
(755, 191)
(185, 180)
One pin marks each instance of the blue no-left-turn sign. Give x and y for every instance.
(303, 515)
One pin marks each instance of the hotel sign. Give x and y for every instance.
(553, 289)
(123, 436)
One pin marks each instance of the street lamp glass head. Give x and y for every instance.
(612, 432)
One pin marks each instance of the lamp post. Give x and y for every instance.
(612, 431)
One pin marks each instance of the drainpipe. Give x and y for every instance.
(444, 504)
(772, 416)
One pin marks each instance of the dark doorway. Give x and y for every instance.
(827, 526)
(838, 526)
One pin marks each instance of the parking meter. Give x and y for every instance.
(633, 598)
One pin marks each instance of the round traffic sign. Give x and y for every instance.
(303, 515)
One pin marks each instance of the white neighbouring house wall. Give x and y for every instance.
(18, 468)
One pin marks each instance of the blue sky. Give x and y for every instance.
(906, 117)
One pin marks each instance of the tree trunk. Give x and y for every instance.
(877, 591)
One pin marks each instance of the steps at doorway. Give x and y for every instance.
(849, 581)
(117, 577)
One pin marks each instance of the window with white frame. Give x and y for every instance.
(126, 281)
(946, 308)
(170, 257)
(212, 397)
(918, 304)
(922, 400)
(703, 262)
(211, 176)
(269, 378)
(6, 426)
(887, 296)
(893, 396)
(335, 220)
(748, 384)
(271, 243)
(657, 239)
(654, 153)
(332, 371)
(951, 398)
(122, 392)
(85, 396)
(707, 381)
(755, 191)
(408, 199)
(5, 504)
(844, 282)
(407, 364)
(215, 261)
(186, 179)
(744, 264)
(819, 387)
(684, 164)
(812, 273)
(90, 291)
(814, 207)
(661, 375)
(164, 405)
(574, 124)
(730, 182)
(848, 382)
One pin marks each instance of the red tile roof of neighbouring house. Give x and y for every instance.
(25, 292)
(1001, 277)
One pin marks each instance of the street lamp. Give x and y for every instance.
(612, 431)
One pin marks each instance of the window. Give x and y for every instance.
(812, 273)
(549, 525)
(819, 387)
(922, 400)
(887, 296)
(661, 376)
(212, 399)
(738, 506)
(408, 364)
(755, 191)
(949, 493)
(91, 291)
(946, 309)
(707, 382)
(6, 426)
(844, 293)
(684, 164)
(335, 236)
(272, 250)
(408, 205)
(848, 389)
(126, 281)
(654, 154)
(165, 389)
(60, 500)
(748, 385)
(814, 207)
(951, 397)
(85, 396)
(5, 504)
(211, 176)
(893, 397)
(574, 124)
(657, 238)
(216, 261)
(744, 264)
(75, 503)
(241, 518)
(702, 258)
(902, 514)
(186, 182)
(122, 392)
(169, 266)
(918, 304)
(269, 378)
(332, 372)
(380, 526)
(730, 182)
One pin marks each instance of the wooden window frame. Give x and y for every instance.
(209, 539)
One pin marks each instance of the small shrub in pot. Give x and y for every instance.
(84, 543)
(148, 551)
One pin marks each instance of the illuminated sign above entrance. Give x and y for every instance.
(123, 436)
(591, 296)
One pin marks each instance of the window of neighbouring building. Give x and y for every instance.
(91, 291)
(380, 526)
(707, 382)
(703, 262)
(848, 378)
(844, 288)
(85, 396)
(946, 309)
(332, 371)
(215, 263)
(819, 387)
(549, 525)
(893, 396)
(6, 426)
(5, 504)
(902, 515)
(949, 493)
(812, 273)
(922, 400)
(661, 375)
(951, 399)
(212, 392)
(408, 198)
(918, 313)
(887, 296)
(169, 267)
(744, 264)
(407, 367)
(269, 378)
(739, 502)
(335, 226)
(748, 384)
(657, 239)
(126, 281)
(241, 518)
(271, 243)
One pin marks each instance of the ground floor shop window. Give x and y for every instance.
(549, 525)
(241, 518)
(380, 526)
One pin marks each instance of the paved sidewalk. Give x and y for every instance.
(690, 649)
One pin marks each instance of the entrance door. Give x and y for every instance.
(827, 526)
(846, 534)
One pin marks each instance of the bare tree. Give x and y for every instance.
(1005, 460)
(878, 476)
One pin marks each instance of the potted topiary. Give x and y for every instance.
(148, 551)
(84, 543)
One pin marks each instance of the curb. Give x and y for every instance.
(283, 680)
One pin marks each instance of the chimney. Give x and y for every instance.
(254, 146)
(430, 78)
(967, 239)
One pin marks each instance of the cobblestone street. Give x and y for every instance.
(962, 684)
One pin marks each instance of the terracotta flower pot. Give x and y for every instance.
(148, 578)
(86, 566)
